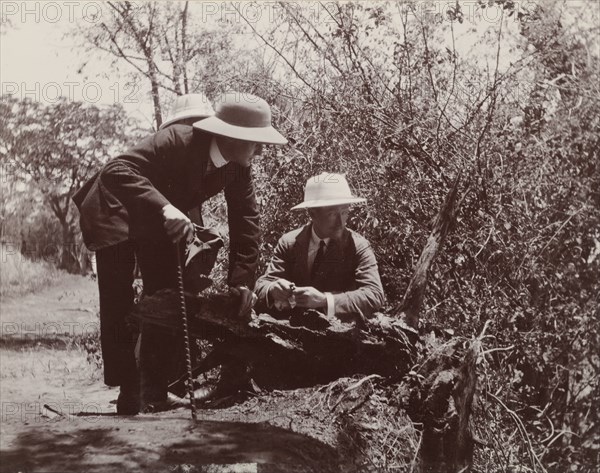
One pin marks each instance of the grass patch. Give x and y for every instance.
(47, 366)
(20, 276)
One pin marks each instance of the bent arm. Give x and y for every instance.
(244, 228)
(277, 268)
(133, 178)
(368, 297)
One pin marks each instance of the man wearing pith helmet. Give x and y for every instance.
(188, 109)
(140, 200)
(323, 265)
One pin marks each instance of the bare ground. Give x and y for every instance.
(57, 415)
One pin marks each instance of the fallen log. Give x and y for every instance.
(319, 348)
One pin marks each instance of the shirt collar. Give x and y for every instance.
(215, 155)
(314, 238)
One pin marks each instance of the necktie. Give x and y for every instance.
(318, 259)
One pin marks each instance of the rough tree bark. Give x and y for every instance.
(413, 299)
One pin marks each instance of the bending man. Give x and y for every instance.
(139, 201)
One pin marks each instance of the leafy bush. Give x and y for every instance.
(403, 112)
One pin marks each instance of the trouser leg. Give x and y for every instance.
(158, 264)
(117, 337)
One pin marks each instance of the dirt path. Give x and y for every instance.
(68, 308)
(43, 365)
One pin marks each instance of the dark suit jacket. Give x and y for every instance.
(348, 270)
(124, 200)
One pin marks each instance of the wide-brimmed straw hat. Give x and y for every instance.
(244, 117)
(189, 106)
(327, 189)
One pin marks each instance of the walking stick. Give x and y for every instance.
(186, 334)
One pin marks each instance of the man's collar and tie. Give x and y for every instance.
(316, 251)
(318, 260)
(317, 247)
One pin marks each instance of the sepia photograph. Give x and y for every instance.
(355, 236)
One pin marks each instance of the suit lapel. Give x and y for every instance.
(301, 273)
(198, 166)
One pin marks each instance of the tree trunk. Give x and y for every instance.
(413, 299)
(184, 48)
(155, 94)
(68, 257)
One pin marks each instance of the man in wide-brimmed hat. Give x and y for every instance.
(139, 201)
(323, 265)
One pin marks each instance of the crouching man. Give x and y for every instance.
(323, 265)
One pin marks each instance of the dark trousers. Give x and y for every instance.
(158, 263)
(118, 336)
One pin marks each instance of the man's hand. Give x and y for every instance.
(280, 290)
(177, 224)
(247, 299)
(310, 298)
